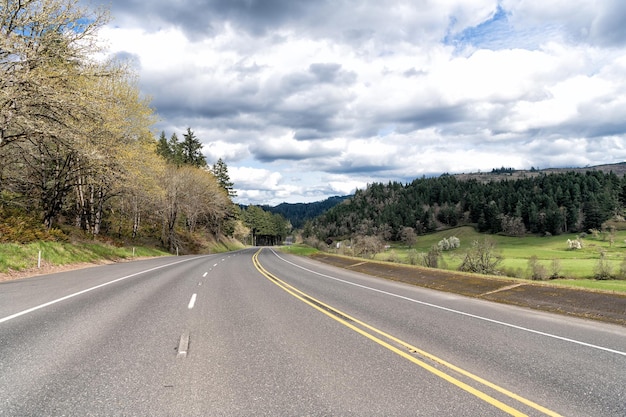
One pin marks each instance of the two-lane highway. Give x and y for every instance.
(264, 333)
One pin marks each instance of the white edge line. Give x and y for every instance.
(502, 323)
(58, 300)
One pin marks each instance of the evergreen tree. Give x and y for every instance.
(163, 147)
(220, 170)
(266, 228)
(554, 203)
(176, 155)
(191, 150)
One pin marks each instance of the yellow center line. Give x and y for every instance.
(346, 320)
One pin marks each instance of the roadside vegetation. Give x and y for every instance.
(554, 225)
(600, 263)
(299, 249)
(79, 160)
(32, 256)
(19, 257)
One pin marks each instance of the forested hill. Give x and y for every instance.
(540, 203)
(299, 213)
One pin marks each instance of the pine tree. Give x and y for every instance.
(191, 150)
(220, 170)
(176, 156)
(163, 147)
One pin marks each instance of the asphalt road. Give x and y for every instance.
(267, 334)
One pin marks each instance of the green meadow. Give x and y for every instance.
(573, 266)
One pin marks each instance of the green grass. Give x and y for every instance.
(298, 249)
(17, 257)
(578, 266)
(611, 285)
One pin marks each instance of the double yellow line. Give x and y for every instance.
(410, 352)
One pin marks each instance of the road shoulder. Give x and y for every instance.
(601, 306)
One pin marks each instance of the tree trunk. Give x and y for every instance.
(136, 218)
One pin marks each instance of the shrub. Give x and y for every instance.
(412, 257)
(603, 269)
(408, 236)
(574, 244)
(622, 269)
(392, 256)
(17, 226)
(449, 243)
(513, 272)
(367, 246)
(432, 258)
(555, 267)
(538, 272)
(482, 258)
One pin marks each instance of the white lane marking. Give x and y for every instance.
(205, 274)
(214, 265)
(192, 302)
(183, 345)
(502, 323)
(67, 297)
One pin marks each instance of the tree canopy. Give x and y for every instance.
(540, 204)
(76, 146)
(185, 152)
(220, 170)
(266, 228)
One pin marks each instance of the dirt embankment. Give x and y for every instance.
(602, 306)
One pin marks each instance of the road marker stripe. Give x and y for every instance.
(345, 319)
(192, 302)
(462, 313)
(67, 297)
(183, 345)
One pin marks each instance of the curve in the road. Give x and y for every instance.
(377, 336)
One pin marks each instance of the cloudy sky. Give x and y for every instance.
(305, 99)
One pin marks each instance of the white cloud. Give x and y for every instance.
(304, 100)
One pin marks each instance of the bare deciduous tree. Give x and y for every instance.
(367, 246)
(45, 48)
(482, 258)
(408, 236)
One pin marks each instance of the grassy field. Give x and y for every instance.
(576, 267)
(548, 247)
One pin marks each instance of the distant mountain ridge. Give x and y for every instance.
(299, 213)
(618, 169)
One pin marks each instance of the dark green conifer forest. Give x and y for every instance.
(542, 204)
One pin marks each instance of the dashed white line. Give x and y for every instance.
(192, 302)
(58, 300)
(205, 274)
(183, 345)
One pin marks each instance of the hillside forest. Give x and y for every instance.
(544, 204)
(78, 156)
